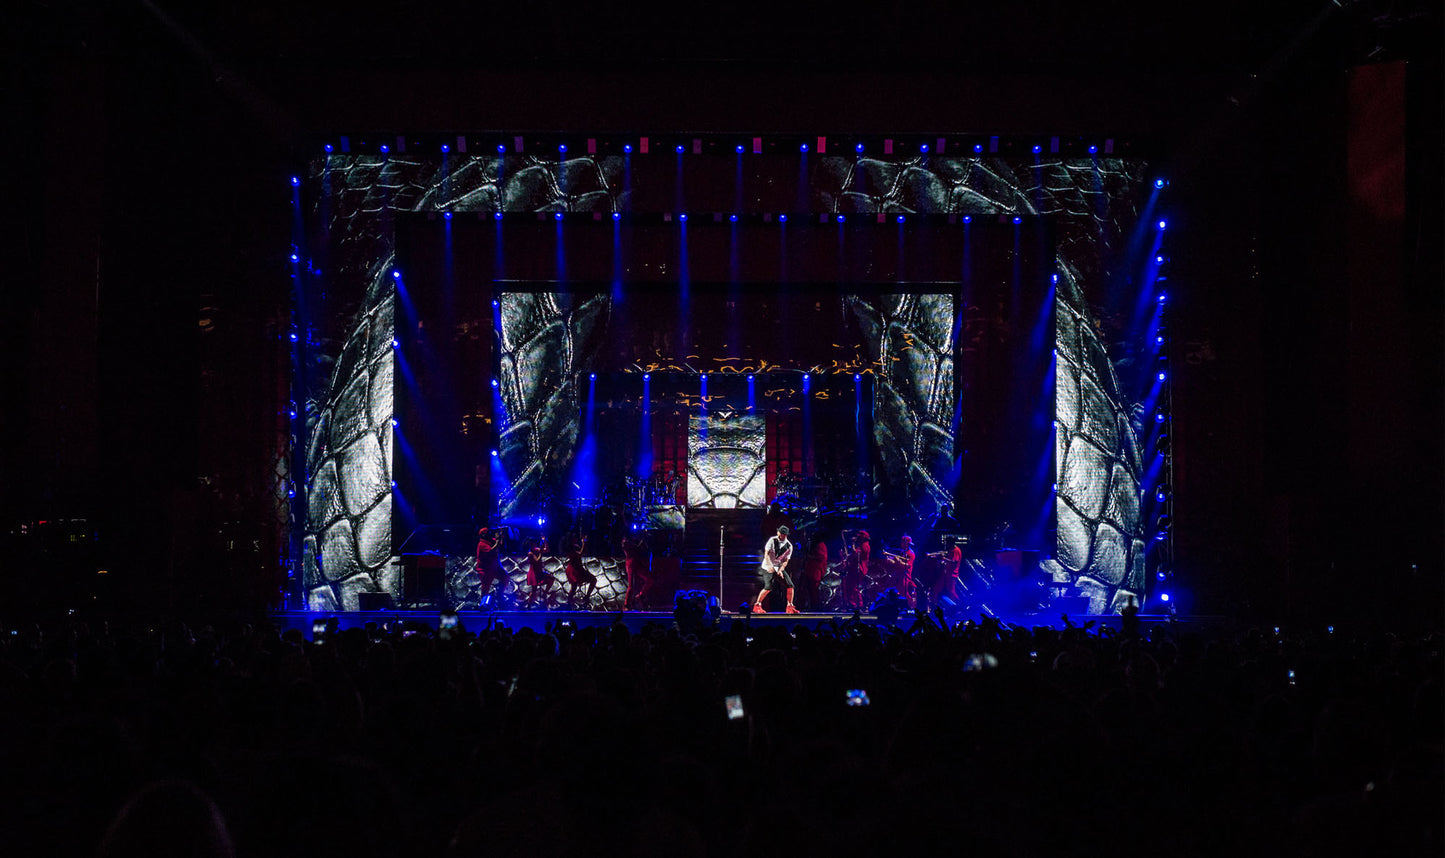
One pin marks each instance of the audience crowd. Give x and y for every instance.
(851, 739)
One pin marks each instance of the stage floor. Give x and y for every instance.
(636, 620)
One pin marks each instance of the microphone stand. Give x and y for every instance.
(721, 530)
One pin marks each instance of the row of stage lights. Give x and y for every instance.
(905, 145)
(1159, 494)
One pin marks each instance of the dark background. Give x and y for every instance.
(147, 217)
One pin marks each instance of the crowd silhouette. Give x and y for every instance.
(235, 738)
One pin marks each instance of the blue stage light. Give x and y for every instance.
(740, 148)
(295, 182)
(557, 216)
(446, 148)
(858, 148)
(857, 377)
(636, 527)
(393, 485)
(900, 218)
(1159, 417)
(679, 148)
(292, 414)
(496, 215)
(841, 218)
(496, 303)
(1161, 575)
(495, 382)
(447, 215)
(385, 148)
(803, 147)
(782, 218)
(395, 423)
(501, 149)
(294, 338)
(806, 377)
(295, 258)
(1158, 260)
(1159, 340)
(617, 215)
(1163, 224)
(646, 376)
(1162, 376)
(1018, 220)
(494, 454)
(967, 219)
(396, 273)
(1159, 183)
(329, 149)
(562, 147)
(541, 521)
(923, 147)
(1161, 496)
(593, 376)
(977, 148)
(1163, 597)
(1038, 148)
(733, 218)
(395, 343)
(1093, 150)
(750, 378)
(682, 216)
(627, 147)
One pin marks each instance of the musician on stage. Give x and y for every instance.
(539, 580)
(488, 567)
(902, 569)
(855, 570)
(635, 552)
(814, 568)
(776, 554)
(577, 574)
(951, 560)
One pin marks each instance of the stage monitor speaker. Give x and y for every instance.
(373, 601)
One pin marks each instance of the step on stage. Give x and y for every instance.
(541, 621)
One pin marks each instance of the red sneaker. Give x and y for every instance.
(758, 608)
(793, 610)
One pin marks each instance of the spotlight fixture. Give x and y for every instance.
(385, 148)
(395, 423)
(967, 219)
(857, 377)
(739, 148)
(841, 218)
(496, 215)
(1038, 148)
(646, 376)
(803, 147)
(733, 218)
(447, 215)
(1162, 376)
(501, 148)
(682, 216)
(858, 148)
(679, 148)
(923, 147)
(1093, 150)
(495, 382)
(557, 216)
(593, 376)
(900, 218)
(446, 148)
(617, 215)
(494, 454)
(977, 148)
(496, 303)
(782, 218)
(295, 258)
(396, 273)
(295, 182)
(1018, 220)
(1159, 183)
(1163, 224)
(395, 343)
(329, 148)
(627, 147)
(562, 147)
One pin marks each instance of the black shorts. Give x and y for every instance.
(772, 579)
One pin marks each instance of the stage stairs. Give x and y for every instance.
(742, 544)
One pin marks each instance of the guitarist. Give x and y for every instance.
(776, 555)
